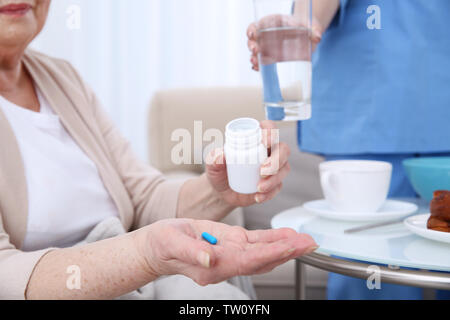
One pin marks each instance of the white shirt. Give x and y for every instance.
(66, 196)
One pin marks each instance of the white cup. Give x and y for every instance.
(355, 185)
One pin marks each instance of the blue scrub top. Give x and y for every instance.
(382, 91)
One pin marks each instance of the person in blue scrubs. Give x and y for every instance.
(381, 94)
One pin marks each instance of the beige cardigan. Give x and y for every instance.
(141, 193)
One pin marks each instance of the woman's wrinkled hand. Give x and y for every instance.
(273, 171)
(274, 51)
(175, 247)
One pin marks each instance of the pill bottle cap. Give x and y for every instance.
(243, 133)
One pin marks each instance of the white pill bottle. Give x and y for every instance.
(244, 153)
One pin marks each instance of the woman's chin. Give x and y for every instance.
(17, 33)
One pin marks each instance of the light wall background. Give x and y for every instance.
(128, 49)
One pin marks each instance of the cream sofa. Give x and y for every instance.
(214, 107)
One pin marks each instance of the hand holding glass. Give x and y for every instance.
(284, 44)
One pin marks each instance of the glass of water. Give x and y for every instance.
(284, 42)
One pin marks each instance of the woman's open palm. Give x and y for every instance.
(176, 247)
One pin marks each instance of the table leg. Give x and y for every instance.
(300, 280)
(429, 294)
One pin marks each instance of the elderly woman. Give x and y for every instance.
(64, 168)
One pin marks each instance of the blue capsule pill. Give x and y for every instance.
(209, 238)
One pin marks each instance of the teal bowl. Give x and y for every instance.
(428, 175)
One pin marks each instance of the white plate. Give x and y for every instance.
(418, 225)
(391, 209)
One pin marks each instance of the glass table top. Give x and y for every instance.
(389, 245)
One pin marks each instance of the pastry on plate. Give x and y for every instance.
(440, 212)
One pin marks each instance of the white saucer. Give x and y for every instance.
(418, 225)
(391, 209)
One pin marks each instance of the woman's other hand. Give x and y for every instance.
(273, 171)
(176, 247)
